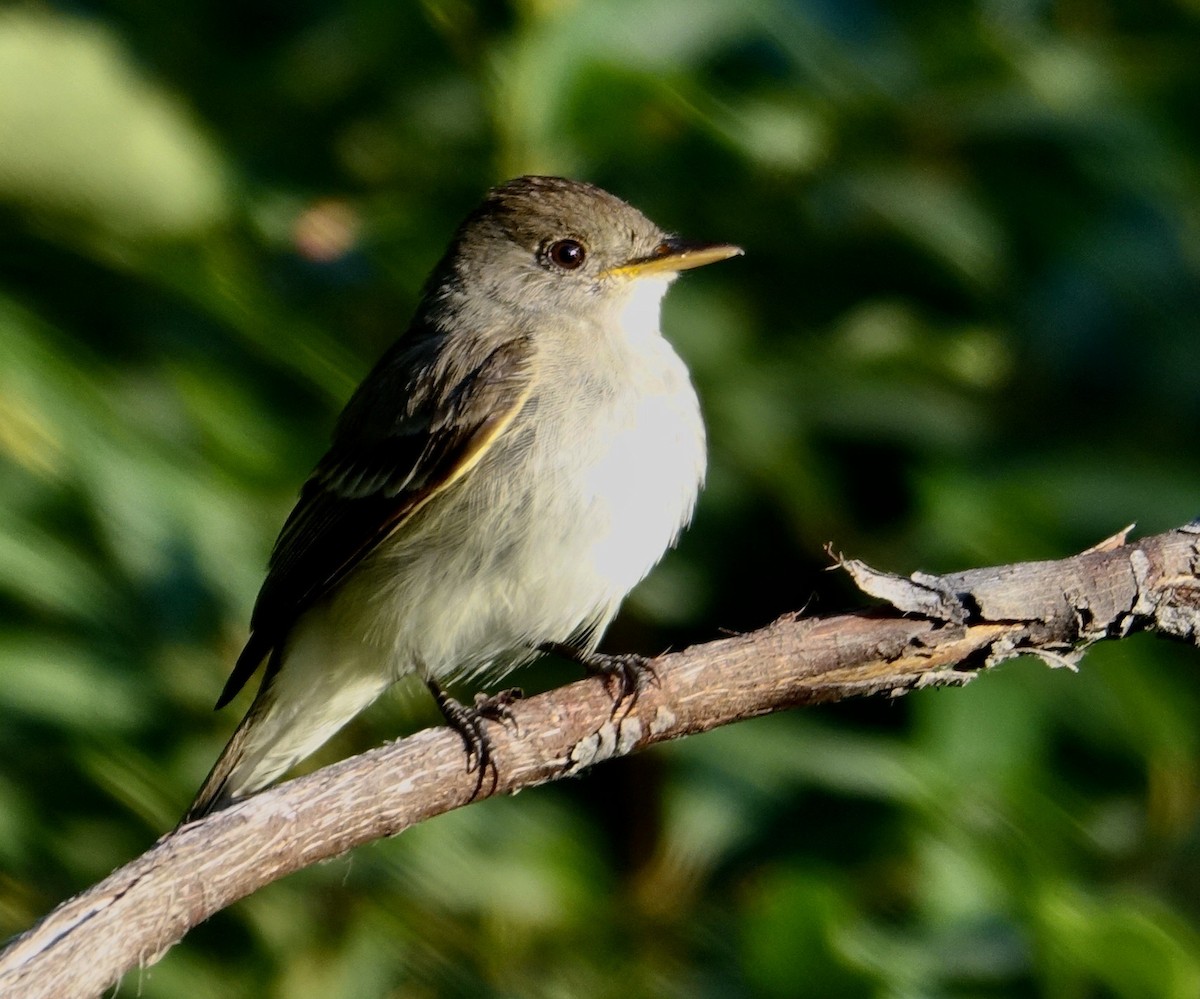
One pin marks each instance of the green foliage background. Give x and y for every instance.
(965, 332)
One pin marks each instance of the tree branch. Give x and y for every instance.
(940, 630)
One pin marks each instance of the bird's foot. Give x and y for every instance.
(468, 722)
(497, 707)
(629, 672)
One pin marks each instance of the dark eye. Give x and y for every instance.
(568, 254)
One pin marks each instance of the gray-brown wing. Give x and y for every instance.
(374, 478)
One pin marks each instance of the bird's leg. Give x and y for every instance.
(468, 723)
(631, 672)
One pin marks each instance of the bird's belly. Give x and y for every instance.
(549, 549)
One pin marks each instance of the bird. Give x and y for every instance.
(517, 461)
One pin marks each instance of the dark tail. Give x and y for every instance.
(218, 790)
(215, 793)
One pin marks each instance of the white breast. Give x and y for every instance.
(648, 471)
(631, 438)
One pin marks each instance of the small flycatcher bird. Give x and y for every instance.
(505, 475)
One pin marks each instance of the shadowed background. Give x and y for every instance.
(965, 332)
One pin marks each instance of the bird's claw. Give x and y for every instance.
(468, 722)
(630, 672)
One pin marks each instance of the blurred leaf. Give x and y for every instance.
(81, 132)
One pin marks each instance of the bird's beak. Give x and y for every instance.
(675, 255)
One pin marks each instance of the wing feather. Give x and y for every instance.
(370, 482)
